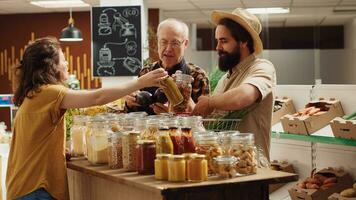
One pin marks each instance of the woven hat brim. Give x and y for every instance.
(217, 15)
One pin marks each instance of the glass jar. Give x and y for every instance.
(113, 121)
(77, 136)
(187, 157)
(187, 139)
(115, 150)
(151, 130)
(207, 144)
(225, 140)
(164, 143)
(176, 168)
(243, 147)
(197, 168)
(175, 134)
(161, 166)
(196, 124)
(129, 142)
(127, 122)
(172, 92)
(225, 166)
(145, 156)
(97, 141)
(184, 84)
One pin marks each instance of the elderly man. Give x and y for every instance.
(249, 81)
(172, 36)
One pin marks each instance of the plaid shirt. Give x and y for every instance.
(200, 85)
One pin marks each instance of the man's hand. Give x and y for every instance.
(159, 108)
(203, 107)
(131, 100)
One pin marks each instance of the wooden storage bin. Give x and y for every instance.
(344, 128)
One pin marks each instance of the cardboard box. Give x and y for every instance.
(344, 181)
(287, 108)
(280, 166)
(306, 124)
(344, 128)
(337, 196)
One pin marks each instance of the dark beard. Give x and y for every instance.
(229, 60)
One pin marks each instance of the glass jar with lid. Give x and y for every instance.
(225, 140)
(186, 135)
(176, 168)
(197, 168)
(175, 134)
(97, 141)
(151, 130)
(207, 144)
(145, 156)
(129, 142)
(225, 166)
(184, 84)
(243, 147)
(115, 150)
(164, 143)
(77, 136)
(161, 166)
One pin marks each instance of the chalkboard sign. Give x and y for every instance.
(116, 34)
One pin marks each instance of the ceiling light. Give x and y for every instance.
(59, 3)
(71, 33)
(272, 10)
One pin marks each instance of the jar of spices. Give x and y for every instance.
(164, 143)
(161, 166)
(243, 147)
(176, 168)
(184, 84)
(115, 150)
(225, 166)
(77, 136)
(129, 142)
(97, 141)
(145, 156)
(197, 168)
(207, 144)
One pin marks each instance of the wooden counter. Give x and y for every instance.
(87, 182)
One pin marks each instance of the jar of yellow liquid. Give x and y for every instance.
(197, 168)
(176, 168)
(164, 143)
(161, 166)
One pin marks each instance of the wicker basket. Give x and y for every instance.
(221, 124)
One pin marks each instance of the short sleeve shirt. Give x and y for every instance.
(37, 152)
(261, 74)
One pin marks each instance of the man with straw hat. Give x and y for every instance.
(249, 81)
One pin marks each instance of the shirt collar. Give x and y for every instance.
(245, 63)
(182, 66)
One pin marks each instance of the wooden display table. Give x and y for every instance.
(87, 182)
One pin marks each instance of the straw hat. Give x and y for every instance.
(247, 20)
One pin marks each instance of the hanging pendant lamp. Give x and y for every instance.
(71, 33)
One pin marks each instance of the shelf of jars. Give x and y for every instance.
(176, 151)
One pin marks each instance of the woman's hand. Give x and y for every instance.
(152, 78)
(131, 100)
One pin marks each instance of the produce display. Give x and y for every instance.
(318, 181)
(350, 192)
(317, 108)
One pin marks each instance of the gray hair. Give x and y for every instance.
(177, 24)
